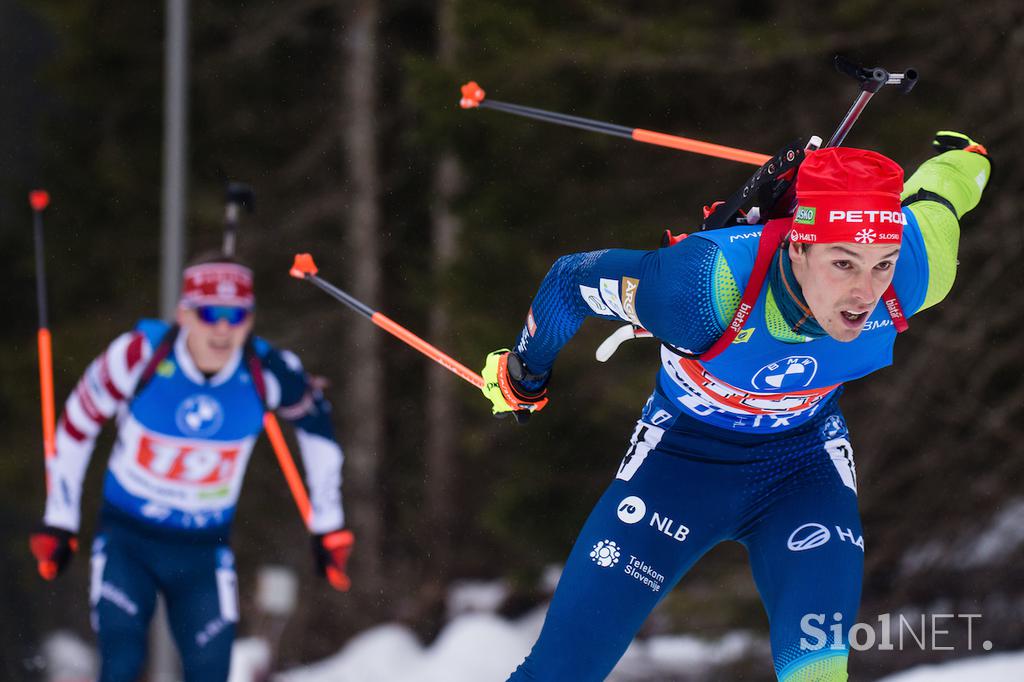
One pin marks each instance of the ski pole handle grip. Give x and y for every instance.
(872, 80)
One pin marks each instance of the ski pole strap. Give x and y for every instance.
(771, 237)
(255, 367)
(160, 353)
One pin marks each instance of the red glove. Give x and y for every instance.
(53, 549)
(331, 552)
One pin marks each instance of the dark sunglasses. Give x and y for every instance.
(212, 314)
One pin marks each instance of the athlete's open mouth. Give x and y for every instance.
(855, 318)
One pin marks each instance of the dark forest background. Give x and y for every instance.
(344, 117)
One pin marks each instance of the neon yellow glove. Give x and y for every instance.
(947, 140)
(502, 374)
(958, 175)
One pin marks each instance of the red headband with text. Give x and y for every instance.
(848, 195)
(217, 284)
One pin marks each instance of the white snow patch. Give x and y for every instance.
(990, 668)
(482, 647)
(664, 656)
(377, 655)
(475, 596)
(983, 547)
(1003, 536)
(250, 660)
(477, 647)
(67, 658)
(550, 577)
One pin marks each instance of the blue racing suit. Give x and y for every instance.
(171, 487)
(750, 446)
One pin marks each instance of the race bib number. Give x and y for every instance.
(186, 464)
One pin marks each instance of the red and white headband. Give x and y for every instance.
(217, 284)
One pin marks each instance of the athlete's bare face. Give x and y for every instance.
(211, 345)
(843, 282)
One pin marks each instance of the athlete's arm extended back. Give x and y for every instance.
(941, 191)
(302, 403)
(97, 397)
(671, 292)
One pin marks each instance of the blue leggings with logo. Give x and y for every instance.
(195, 575)
(790, 499)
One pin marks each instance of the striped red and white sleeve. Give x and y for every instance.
(97, 397)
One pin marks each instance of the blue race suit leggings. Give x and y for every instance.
(789, 498)
(196, 576)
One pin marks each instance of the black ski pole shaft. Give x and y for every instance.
(304, 268)
(473, 96)
(560, 119)
(339, 295)
(39, 199)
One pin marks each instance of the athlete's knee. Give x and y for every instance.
(121, 664)
(827, 668)
(206, 655)
(122, 631)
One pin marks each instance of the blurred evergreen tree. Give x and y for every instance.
(267, 106)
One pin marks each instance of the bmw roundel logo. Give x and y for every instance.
(199, 415)
(808, 536)
(792, 373)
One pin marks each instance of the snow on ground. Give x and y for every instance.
(988, 668)
(483, 647)
(980, 547)
(478, 645)
(66, 658)
(250, 660)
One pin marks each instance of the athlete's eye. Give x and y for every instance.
(842, 264)
(884, 266)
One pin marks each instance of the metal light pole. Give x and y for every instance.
(163, 664)
(172, 242)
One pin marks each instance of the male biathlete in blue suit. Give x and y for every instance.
(189, 403)
(743, 438)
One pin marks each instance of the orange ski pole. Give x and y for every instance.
(39, 199)
(305, 268)
(473, 96)
(338, 580)
(291, 473)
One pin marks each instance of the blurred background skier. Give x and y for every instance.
(743, 438)
(189, 401)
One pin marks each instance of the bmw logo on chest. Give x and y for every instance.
(792, 373)
(199, 415)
